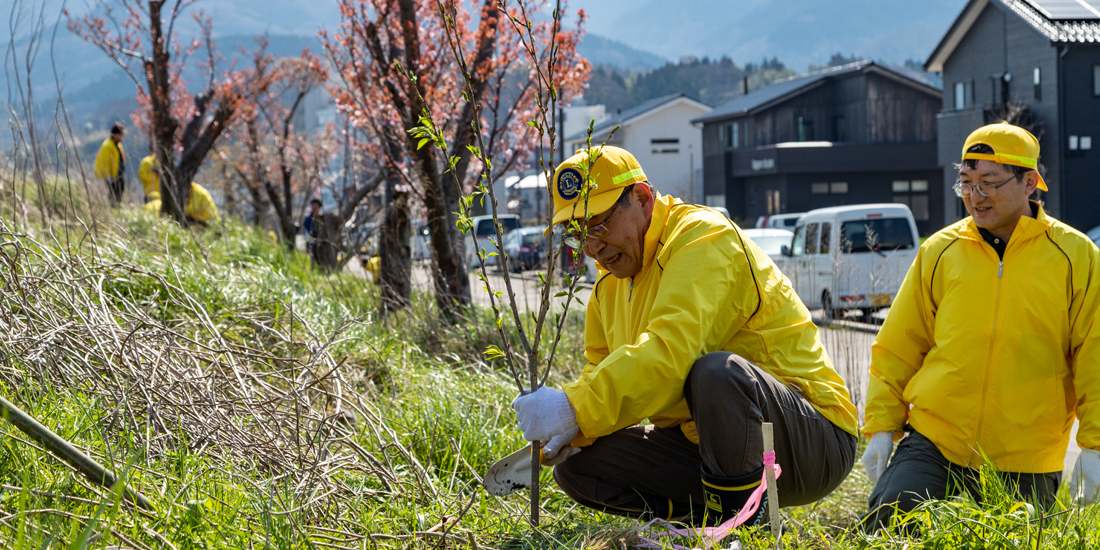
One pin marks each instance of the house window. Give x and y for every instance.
(805, 129)
(1096, 80)
(840, 129)
(1036, 80)
(665, 145)
(913, 194)
(735, 135)
(838, 188)
(773, 201)
(960, 95)
(819, 188)
(721, 135)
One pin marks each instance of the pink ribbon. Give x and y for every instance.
(711, 535)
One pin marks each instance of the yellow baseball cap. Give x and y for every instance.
(1011, 145)
(609, 169)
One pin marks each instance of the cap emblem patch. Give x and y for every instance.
(569, 183)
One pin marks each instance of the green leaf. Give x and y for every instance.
(493, 352)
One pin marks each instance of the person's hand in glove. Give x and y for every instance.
(877, 455)
(559, 456)
(544, 415)
(1086, 474)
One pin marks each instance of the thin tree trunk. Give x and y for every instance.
(395, 271)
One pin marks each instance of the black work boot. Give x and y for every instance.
(727, 495)
(665, 508)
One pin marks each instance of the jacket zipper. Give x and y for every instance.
(630, 294)
(988, 358)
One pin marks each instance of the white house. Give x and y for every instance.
(660, 135)
(527, 197)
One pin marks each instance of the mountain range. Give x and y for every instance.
(630, 35)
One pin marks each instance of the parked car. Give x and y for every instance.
(851, 257)
(570, 265)
(779, 221)
(1094, 234)
(483, 233)
(771, 241)
(721, 209)
(525, 248)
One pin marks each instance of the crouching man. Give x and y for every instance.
(692, 327)
(991, 347)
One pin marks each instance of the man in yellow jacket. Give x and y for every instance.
(692, 327)
(991, 347)
(110, 164)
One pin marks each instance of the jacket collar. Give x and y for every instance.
(662, 206)
(1026, 228)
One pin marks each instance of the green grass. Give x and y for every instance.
(438, 415)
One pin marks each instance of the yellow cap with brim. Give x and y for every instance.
(1011, 145)
(606, 169)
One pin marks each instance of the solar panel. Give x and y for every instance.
(1061, 10)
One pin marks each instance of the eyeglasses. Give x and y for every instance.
(575, 238)
(964, 190)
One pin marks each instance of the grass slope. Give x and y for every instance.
(260, 404)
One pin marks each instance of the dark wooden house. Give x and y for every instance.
(1036, 62)
(855, 134)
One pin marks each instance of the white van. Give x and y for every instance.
(851, 257)
(483, 232)
(779, 221)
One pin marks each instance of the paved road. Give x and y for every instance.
(849, 349)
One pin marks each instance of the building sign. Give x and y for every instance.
(763, 164)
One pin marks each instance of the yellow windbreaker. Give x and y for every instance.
(107, 160)
(150, 181)
(201, 207)
(994, 357)
(703, 287)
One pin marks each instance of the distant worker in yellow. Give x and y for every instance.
(110, 164)
(201, 208)
(150, 181)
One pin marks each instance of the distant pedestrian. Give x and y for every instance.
(110, 164)
(310, 227)
(991, 347)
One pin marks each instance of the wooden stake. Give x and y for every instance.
(773, 497)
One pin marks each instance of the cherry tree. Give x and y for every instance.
(393, 60)
(184, 127)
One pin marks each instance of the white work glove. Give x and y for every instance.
(559, 456)
(546, 415)
(1086, 473)
(559, 442)
(877, 455)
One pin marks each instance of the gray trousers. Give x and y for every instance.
(646, 471)
(918, 471)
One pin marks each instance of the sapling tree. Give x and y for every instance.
(552, 69)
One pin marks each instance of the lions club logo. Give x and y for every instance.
(569, 183)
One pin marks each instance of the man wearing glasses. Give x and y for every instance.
(695, 329)
(991, 347)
